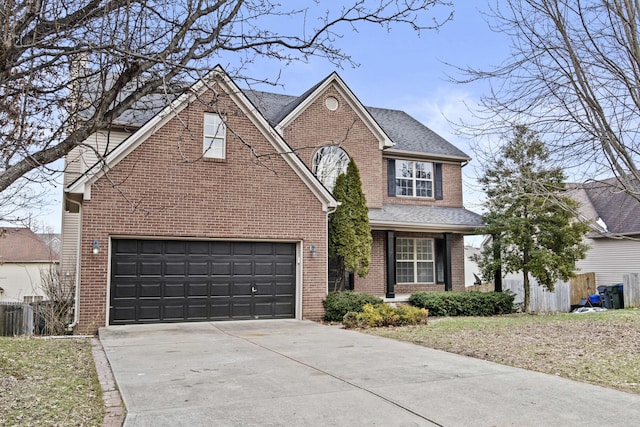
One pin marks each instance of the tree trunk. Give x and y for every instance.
(338, 284)
(527, 290)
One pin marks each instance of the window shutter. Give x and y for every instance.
(438, 180)
(391, 177)
(440, 260)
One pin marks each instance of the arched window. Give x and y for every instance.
(329, 162)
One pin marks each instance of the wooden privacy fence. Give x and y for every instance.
(631, 291)
(542, 301)
(16, 319)
(582, 286)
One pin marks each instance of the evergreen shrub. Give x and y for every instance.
(464, 303)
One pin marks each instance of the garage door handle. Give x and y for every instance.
(254, 290)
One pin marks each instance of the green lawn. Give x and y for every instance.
(48, 382)
(599, 348)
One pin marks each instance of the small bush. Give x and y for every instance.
(464, 303)
(337, 304)
(384, 315)
(410, 315)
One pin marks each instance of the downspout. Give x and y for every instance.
(76, 303)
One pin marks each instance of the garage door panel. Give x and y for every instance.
(174, 247)
(175, 268)
(242, 269)
(125, 269)
(125, 291)
(174, 310)
(150, 268)
(149, 247)
(198, 248)
(153, 290)
(123, 313)
(197, 309)
(174, 290)
(242, 248)
(241, 289)
(264, 269)
(285, 269)
(149, 311)
(171, 281)
(197, 289)
(221, 268)
(198, 268)
(220, 289)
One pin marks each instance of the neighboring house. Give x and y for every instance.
(615, 237)
(23, 255)
(471, 269)
(158, 234)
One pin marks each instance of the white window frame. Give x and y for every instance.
(413, 180)
(214, 140)
(414, 261)
(328, 163)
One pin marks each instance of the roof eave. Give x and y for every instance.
(424, 228)
(438, 156)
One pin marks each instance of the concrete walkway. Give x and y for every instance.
(299, 373)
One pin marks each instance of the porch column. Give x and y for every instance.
(391, 264)
(448, 284)
(497, 278)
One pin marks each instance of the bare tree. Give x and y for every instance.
(123, 51)
(573, 77)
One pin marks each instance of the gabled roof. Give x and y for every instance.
(217, 75)
(23, 245)
(605, 203)
(425, 218)
(407, 134)
(400, 133)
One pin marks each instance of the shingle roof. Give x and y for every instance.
(407, 133)
(619, 211)
(23, 245)
(425, 217)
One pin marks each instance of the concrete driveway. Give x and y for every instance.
(299, 373)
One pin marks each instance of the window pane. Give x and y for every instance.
(404, 272)
(404, 187)
(213, 144)
(404, 169)
(214, 147)
(425, 272)
(328, 163)
(404, 249)
(422, 189)
(424, 250)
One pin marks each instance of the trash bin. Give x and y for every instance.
(605, 296)
(616, 295)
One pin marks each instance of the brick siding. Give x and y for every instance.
(161, 190)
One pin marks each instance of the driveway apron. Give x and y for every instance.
(300, 373)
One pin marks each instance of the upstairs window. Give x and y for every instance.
(329, 162)
(215, 131)
(414, 179)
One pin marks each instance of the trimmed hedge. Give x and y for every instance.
(385, 315)
(338, 304)
(464, 303)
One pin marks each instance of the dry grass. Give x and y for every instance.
(598, 348)
(49, 382)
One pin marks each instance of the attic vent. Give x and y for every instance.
(331, 103)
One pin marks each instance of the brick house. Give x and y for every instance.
(214, 206)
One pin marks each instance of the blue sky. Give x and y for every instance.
(398, 70)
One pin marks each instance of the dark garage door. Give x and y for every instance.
(177, 281)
